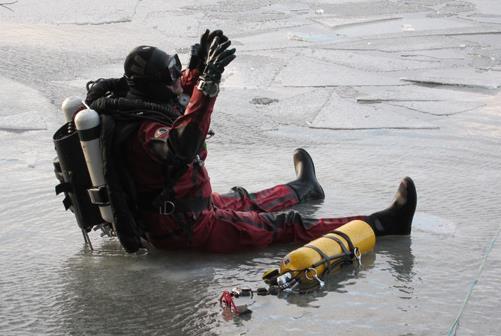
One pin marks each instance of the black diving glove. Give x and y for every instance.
(200, 51)
(195, 58)
(219, 57)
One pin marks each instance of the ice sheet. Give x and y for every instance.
(23, 108)
(443, 108)
(253, 71)
(488, 7)
(373, 61)
(399, 43)
(417, 23)
(418, 93)
(337, 22)
(93, 11)
(466, 77)
(346, 113)
(305, 71)
(435, 101)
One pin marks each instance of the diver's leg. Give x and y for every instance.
(227, 230)
(280, 197)
(293, 227)
(306, 184)
(277, 198)
(397, 219)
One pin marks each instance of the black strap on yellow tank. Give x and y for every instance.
(351, 248)
(348, 253)
(341, 244)
(346, 237)
(325, 258)
(345, 257)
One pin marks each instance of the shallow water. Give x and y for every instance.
(52, 284)
(409, 285)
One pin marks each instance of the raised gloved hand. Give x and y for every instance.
(195, 57)
(200, 51)
(219, 57)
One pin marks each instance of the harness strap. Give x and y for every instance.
(184, 205)
(346, 237)
(325, 258)
(99, 195)
(151, 201)
(67, 203)
(343, 247)
(63, 187)
(347, 252)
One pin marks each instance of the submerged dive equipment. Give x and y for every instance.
(89, 166)
(81, 169)
(304, 267)
(70, 170)
(226, 300)
(86, 177)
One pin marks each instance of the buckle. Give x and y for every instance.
(167, 208)
(208, 88)
(99, 195)
(357, 255)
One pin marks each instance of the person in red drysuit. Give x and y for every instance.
(167, 165)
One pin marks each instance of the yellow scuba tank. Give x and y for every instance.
(305, 265)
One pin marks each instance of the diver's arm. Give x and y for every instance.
(189, 79)
(188, 132)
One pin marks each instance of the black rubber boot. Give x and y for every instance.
(306, 185)
(397, 219)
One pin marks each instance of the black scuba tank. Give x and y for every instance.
(71, 171)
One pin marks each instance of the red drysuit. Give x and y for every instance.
(217, 223)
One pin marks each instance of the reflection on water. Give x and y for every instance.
(158, 292)
(310, 208)
(145, 294)
(339, 280)
(52, 285)
(399, 256)
(154, 293)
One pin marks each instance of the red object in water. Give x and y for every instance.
(226, 301)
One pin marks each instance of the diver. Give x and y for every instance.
(165, 156)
